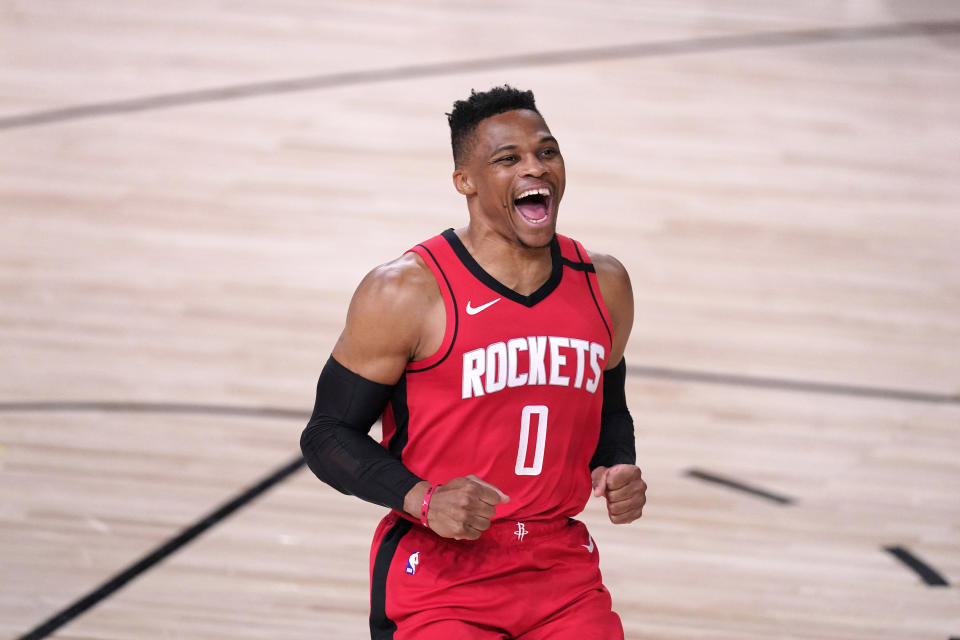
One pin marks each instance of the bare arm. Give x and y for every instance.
(396, 315)
(621, 484)
(618, 297)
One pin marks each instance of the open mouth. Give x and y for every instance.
(533, 205)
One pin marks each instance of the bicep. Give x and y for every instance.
(366, 348)
(617, 295)
(384, 322)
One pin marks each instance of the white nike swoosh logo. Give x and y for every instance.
(588, 547)
(471, 310)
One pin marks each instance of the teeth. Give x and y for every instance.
(542, 191)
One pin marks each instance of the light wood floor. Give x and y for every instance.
(782, 181)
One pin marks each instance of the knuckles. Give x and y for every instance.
(628, 506)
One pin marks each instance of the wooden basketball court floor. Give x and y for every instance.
(190, 191)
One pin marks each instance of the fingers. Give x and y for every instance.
(599, 478)
(473, 527)
(462, 498)
(626, 493)
(462, 508)
(630, 508)
(621, 475)
(486, 496)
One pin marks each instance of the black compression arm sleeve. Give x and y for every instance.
(336, 445)
(616, 445)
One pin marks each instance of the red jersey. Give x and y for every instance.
(514, 393)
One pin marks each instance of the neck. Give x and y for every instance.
(521, 268)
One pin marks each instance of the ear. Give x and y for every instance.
(462, 183)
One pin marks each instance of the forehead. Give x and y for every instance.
(512, 127)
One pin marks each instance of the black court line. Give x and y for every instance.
(764, 40)
(786, 384)
(739, 486)
(115, 583)
(166, 549)
(154, 407)
(927, 573)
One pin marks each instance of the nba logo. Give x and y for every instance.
(412, 562)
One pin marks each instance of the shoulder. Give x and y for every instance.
(389, 316)
(404, 284)
(611, 274)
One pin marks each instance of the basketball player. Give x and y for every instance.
(494, 354)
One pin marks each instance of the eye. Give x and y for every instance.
(505, 159)
(550, 152)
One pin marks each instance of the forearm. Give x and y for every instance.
(355, 464)
(336, 444)
(617, 442)
(616, 445)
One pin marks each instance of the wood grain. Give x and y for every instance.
(785, 212)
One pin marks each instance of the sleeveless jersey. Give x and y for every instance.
(514, 392)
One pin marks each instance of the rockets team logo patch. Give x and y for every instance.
(412, 563)
(521, 531)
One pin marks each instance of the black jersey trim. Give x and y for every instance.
(586, 275)
(401, 417)
(456, 316)
(382, 627)
(579, 266)
(556, 273)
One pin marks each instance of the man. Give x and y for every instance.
(494, 354)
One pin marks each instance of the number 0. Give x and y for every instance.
(541, 412)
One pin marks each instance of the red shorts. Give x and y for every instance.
(527, 581)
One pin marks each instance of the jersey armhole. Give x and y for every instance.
(450, 311)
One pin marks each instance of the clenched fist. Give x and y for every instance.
(624, 489)
(459, 509)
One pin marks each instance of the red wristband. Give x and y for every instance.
(425, 507)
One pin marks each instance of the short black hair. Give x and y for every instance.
(467, 114)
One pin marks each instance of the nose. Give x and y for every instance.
(532, 165)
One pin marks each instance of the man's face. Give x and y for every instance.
(515, 171)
